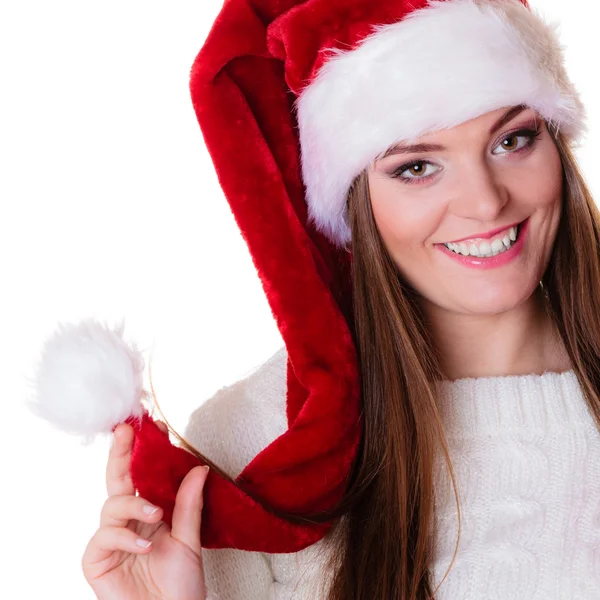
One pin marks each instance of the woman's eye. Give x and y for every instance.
(510, 142)
(416, 171)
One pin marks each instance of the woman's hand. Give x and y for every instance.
(116, 567)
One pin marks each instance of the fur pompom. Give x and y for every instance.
(88, 379)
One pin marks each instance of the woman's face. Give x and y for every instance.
(485, 177)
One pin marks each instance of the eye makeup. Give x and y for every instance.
(531, 133)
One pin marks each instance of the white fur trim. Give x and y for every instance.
(442, 65)
(88, 379)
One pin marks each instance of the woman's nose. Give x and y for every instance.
(479, 195)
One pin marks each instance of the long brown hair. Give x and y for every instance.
(385, 552)
(381, 549)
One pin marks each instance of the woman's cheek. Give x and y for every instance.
(537, 184)
(407, 222)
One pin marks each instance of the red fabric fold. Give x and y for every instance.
(230, 518)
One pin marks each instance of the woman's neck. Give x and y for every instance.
(517, 342)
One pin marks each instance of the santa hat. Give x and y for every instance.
(295, 99)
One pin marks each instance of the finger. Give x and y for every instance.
(187, 514)
(118, 478)
(117, 511)
(107, 540)
(162, 426)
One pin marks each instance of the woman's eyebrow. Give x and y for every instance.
(408, 149)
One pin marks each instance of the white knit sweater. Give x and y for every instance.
(526, 457)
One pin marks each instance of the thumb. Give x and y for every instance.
(187, 514)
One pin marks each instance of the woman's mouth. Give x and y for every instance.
(487, 248)
(499, 250)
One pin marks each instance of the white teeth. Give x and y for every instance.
(497, 245)
(485, 249)
(474, 250)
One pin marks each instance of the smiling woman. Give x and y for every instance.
(483, 184)
(403, 175)
(474, 238)
(512, 342)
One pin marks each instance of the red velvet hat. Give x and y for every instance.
(294, 100)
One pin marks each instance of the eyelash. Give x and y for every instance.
(532, 134)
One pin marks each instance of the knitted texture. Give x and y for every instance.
(526, 454)
(526, 457)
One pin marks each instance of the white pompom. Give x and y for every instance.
(88, 379)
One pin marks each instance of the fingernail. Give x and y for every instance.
(143, 543)
(207, 468)
(149, 509)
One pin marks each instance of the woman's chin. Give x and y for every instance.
(493, 301)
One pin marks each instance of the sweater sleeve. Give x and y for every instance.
(231, 428)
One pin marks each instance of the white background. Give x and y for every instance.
(109, 207)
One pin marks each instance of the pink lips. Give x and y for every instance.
(477, 262)
(484, 236)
